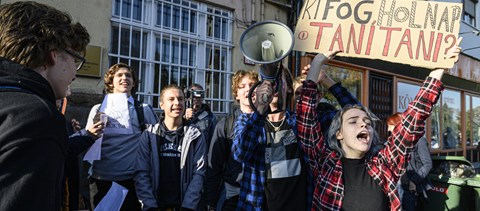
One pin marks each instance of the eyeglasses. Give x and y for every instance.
(79, 60)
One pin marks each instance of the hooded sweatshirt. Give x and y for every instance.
(192, 167)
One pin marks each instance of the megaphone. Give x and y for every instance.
(267, 43)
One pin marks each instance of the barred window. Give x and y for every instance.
(174, 42)
(469, 11)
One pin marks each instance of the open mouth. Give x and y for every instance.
(363, 136)
(177, 109)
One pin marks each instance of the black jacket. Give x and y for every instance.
(419, 166)
(222, 167)
(206, 121)
(33, 141)
(76, 146)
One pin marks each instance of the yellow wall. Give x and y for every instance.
(95, 16)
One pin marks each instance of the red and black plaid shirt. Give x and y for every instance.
(386, 167)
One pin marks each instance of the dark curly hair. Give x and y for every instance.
(30, 30)
(237, 78)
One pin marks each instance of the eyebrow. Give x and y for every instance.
(124, 73)
(357, 117)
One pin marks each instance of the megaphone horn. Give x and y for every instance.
(267, 42)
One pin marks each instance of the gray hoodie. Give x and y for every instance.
(192, 167)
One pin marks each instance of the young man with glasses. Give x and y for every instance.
(79, 60)
(35, 70)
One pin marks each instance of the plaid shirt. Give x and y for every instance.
(246, 150)
(248, 147)
(385, 168)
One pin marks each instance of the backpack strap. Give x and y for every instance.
(229, 125)
(140, 114)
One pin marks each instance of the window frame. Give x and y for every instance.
(215, 80)
(469, 17)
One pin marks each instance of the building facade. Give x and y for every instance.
(454, 126)
(166, 42)
(186, 41)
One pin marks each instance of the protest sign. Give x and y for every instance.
(418, 33)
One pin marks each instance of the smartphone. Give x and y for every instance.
(104, 118)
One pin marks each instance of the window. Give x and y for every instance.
(174, 42)
(406, 93)
(473, 120)
(446, 120)
(130, 9)
(469, 11)
(351, 80)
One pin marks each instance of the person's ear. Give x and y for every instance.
(51, 58)
(339, 135)
(161, 105)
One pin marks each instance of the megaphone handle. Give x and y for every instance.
(250, 94)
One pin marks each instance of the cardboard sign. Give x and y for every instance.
(418, 33)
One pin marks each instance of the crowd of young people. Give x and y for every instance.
(317, 158)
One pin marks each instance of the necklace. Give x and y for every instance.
(276, 129)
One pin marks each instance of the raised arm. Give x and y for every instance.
(310, 135)
(343, 96)
(412, 127)
(451, 54)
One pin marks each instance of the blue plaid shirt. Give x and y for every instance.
(249, 146)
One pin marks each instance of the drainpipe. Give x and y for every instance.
(253, 12)
(262, 10)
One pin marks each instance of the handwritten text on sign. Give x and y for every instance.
(418, 33)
